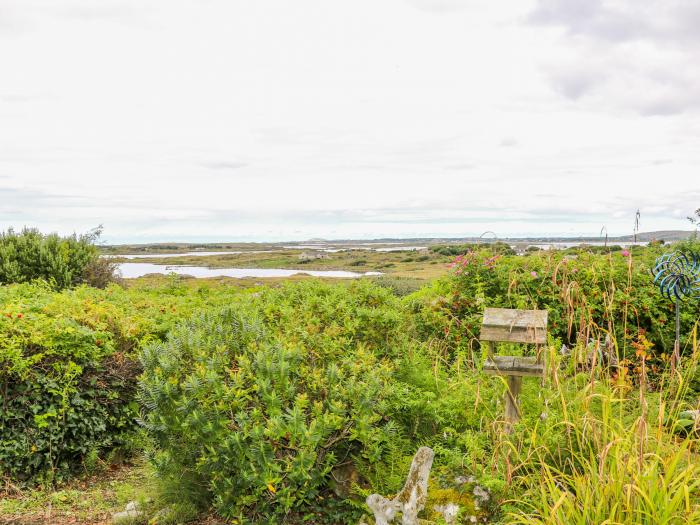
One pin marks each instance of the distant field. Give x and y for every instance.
(422, 259)
(398, 260)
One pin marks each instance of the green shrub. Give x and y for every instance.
(400, 286)
(253, 424)
(587, 295)
(452, 250)
(252, 409)
(62, 261)
(68, 371)
(66, 390)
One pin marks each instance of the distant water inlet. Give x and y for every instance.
(134, 270)
(170, 255)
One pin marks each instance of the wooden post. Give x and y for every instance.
(514, 326)
(512, 409)
(491, 350)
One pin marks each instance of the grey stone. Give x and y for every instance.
(461, 480)
(481, 494)
(130, 513)
(449, 512)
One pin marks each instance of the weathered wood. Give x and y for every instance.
(515, 318)
(513, 366)
(512, 409)
(501, 325)
(491, 349)
(514, 326)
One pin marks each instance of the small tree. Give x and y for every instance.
(61, 261)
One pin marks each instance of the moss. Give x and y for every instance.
(436, 497)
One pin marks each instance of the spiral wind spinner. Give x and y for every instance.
(677, 275)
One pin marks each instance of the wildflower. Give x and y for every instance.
(625, 253)
(534, 274)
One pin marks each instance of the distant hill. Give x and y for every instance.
(663, 235)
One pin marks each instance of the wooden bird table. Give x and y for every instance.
(502, 325)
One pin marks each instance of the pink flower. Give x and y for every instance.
(625, 253)
(534, 274)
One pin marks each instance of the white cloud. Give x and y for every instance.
(274, 119)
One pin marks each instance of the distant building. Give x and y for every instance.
(312, 256)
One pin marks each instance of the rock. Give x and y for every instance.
(461, 480)
(342, 479)
(130, 513)
(449, 512)
(481, 494)
(411, 500)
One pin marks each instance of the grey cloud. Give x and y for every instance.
(663, 107)
(603, 65)
(590, 17)
(667, 20)
(18, 202)
(573, 84)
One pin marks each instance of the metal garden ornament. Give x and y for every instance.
(677, 275)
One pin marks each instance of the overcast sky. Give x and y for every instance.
(279, 119)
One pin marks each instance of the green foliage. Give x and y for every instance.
(253, 408)
(400, 286)
(257, 402)
(68, 372)
(498, 247)
(62, 261)
(254, 422)
(587, 296)
(617, 462)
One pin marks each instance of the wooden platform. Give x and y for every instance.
(514, 326)
(513, 366)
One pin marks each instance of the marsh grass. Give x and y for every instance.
(618, 459)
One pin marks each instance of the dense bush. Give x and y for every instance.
(61, 261)
(452, 250)
(587, 296)
(252, 409)
(68, 370)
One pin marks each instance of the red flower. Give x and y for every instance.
(20, 315)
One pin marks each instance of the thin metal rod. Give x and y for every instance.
(678, 324)
(677, 343)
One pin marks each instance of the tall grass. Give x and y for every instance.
(622, 461)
